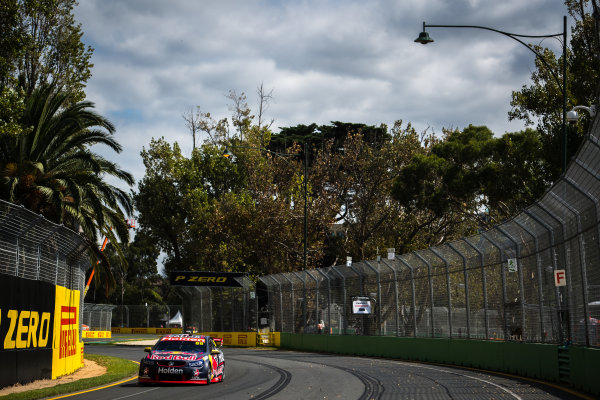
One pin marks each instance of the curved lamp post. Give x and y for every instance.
(228, 154)
(424, 38)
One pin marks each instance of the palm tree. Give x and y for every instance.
(51, 170)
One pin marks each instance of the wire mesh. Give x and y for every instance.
(502, 284)
(32, 247)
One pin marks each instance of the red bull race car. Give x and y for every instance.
(183, 358)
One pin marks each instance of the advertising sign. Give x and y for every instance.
(26, 329)
(361, 305)
(67, 345)
(205, 278)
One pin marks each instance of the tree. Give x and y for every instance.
(471, 171)
(51, 169)
(11, 49)
(42, 45)
(541, 102)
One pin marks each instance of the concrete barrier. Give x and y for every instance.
(532, 360)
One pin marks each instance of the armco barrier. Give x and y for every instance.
(532, 360)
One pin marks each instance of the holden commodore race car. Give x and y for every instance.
(183, 358)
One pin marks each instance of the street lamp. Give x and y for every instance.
(424, 38)
(228, 154)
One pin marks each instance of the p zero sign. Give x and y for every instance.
(39, 330)
(204, 278)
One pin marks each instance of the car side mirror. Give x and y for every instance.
(215, 351)
(148, 349)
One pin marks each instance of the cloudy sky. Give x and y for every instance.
(324, 60)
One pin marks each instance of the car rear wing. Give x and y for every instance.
(218, 341)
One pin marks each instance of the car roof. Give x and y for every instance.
(184, 337)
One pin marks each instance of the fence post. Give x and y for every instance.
(484, 288)
(395, 296)
(466, 278)
(503, 276)
(334, 269)
(304, 301)
(520, 272)
(378, 296)
(328, 298)
(412, 287)
(430, 282)
(583, 267)
(435, 251)
(584, 281)
(316, 295)
(293, 303)
(539, 272)
(567, 266)
(553, 266)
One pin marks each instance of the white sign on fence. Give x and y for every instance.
(512, 265)
(560, 277)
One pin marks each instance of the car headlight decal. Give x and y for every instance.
(198, 364)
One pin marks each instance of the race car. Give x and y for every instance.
(183, 358)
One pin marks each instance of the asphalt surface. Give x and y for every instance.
(268, 374)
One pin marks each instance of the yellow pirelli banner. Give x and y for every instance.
(144, 331)
(96, 334)
(67, 348)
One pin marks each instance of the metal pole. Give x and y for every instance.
(564, 119)
(413, 294)
(430, 281)
(520, 274)
(293, 301)
(448, 288)
(503, 277)
(328, 298)
(466, 277)
(304, 181)
(345, 324)
(395, 296)
(538, 262)
(484, 288)
(554, 267)
(378, 296)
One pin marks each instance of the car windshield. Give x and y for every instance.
(181, 345)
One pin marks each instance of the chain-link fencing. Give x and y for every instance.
(32, 247)
(223, 309)
(97, 317)
(145, 316)
(502, 284)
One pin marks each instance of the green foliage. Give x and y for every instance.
(11, 108)
(50, 168)
(42, 45)
(471, 171)
(321, 135)
(541, 102)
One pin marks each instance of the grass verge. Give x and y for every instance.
(116, 369)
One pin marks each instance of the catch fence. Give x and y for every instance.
(497, 285)
(142, 316)
(223, 309)
(31, 247)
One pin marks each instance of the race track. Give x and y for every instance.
(264, 374)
